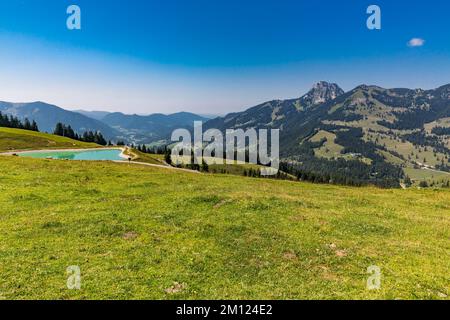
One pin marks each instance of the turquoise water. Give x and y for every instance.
(95, 155)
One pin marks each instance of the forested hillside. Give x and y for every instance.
(369, 135)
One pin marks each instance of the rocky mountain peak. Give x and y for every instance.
(323, 92)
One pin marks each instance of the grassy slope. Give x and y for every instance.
(222, 166)
(330, 149)
(145, 157)
(136, 230)
(430, 176)
(17, 139)
(234, 169)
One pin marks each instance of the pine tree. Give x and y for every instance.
(27, 124)
(34, 126)
(99, 139)
(59, 129)
(167, 157)
(205, 167)
(423, 184)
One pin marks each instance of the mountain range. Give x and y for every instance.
(138, 129)
(47, 116)
(151, 128)
(371, 134)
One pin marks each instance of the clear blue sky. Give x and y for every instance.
(213, 56)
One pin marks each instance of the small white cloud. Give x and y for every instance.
(416, 42)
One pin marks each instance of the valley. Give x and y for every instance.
(385, 137)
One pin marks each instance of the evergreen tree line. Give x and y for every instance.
(423, 140)
(88, 136)
(425, 184)
(341, 172)
(192, 165)
(414, 118)
(307, 167)
(14, 122)
(441, 131)
(256, 173)
(152, 150)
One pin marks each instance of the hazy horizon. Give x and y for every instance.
(120, 110)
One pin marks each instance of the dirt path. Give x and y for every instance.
(437, 171)
(157, 166)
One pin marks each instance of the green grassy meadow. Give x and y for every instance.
(17, 139)
(139, 232)
(150, 158)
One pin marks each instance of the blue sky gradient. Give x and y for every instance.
(213, 56)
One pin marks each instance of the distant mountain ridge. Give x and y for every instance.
(141, 122)
(114, 126)
(161, 125)
(97, 115)
(276, 113)
(47, 115)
